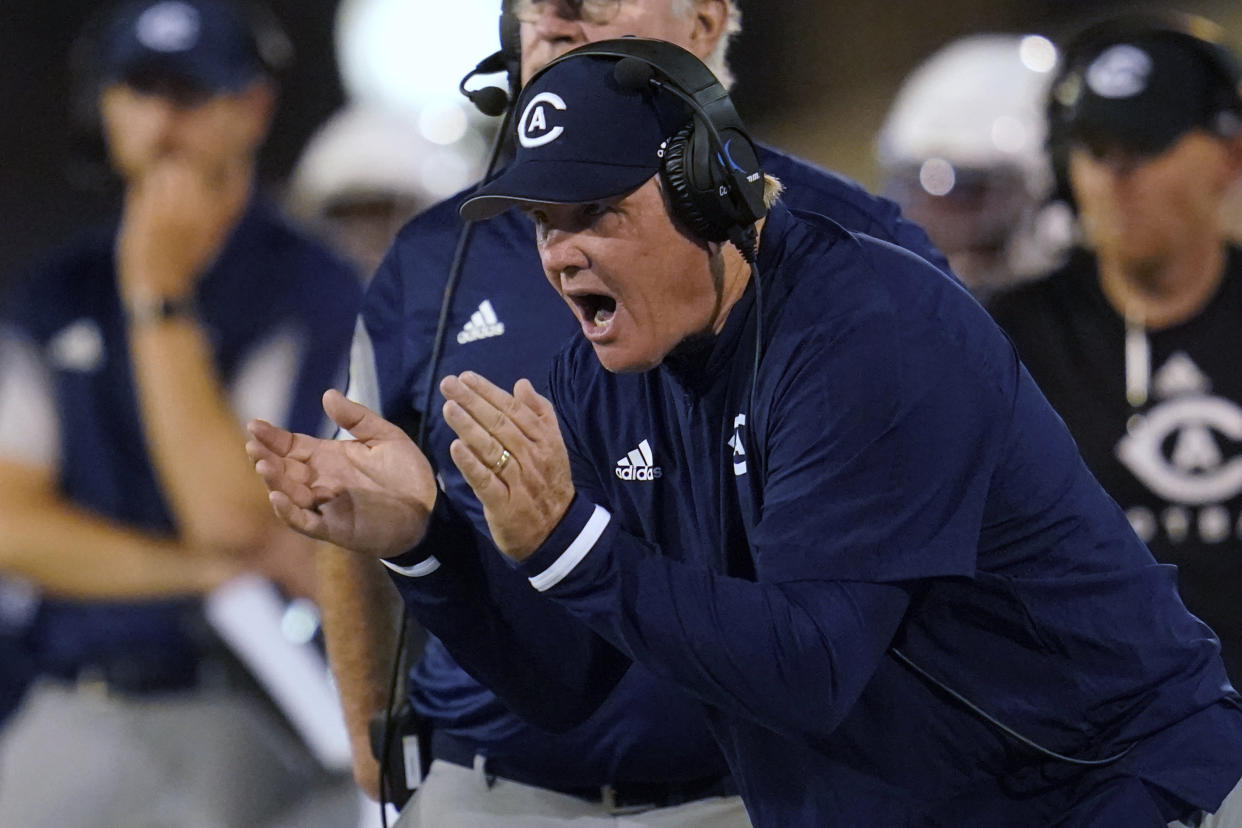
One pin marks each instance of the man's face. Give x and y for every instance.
(637, 284)
(1139, 209)
(144, 125)
(550, 28)
(973, 222)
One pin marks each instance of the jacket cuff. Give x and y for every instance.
(575, 536)
(418, 561)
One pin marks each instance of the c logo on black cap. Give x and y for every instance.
(1119, 72)
(535, 117)
(168, 27)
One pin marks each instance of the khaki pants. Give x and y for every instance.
(77, 757)
(1228, 815)
(455, 797)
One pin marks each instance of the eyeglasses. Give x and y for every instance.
(588, 11)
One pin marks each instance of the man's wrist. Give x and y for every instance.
(419, 561)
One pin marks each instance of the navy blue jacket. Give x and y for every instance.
(269, 278)
(647, 731)
(892, 513)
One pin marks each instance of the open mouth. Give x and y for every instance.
(595, 309)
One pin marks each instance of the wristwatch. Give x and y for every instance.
(160, 309)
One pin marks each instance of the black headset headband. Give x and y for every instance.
(683, 70)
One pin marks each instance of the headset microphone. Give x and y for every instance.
(490, 100)
(633, 74)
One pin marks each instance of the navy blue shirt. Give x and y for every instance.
(506, 323)
(894, 516)
(896, 501)
(268, 281)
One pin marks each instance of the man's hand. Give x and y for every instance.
(372, 494)
(177, 218)
(512, 454)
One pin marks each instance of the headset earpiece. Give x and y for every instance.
(676, 177)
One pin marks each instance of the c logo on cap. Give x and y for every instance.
(534, 117)
(168, 27)
(1119, 72)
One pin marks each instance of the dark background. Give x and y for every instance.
(46, 189)
(814, 77)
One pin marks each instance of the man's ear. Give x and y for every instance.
(1234, 146)
(1231, 198)
(711, 18)
(260, 102)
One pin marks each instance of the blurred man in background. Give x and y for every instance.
(646, 757)
(366, 171)
(1134, 340)
(962, 152)
(189, 314)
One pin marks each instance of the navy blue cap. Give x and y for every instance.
(1142, 93)
(207, 44)
(581, 136)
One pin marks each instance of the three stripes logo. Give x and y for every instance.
(639, 465)
(483, 324)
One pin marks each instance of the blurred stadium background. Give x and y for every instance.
(816, 77)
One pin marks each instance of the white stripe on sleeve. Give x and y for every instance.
(419, 570)
(577, 550)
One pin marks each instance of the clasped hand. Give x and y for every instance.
(375, 493)
(511, 452)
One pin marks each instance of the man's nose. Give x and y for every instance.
(558, 252)
(161, 113)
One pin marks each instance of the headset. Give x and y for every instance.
(1202, 37)
(710, 168)
(493, 100)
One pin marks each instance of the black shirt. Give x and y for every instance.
(1173, 463)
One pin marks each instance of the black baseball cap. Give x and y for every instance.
(1142, 93)
(581, 135)
(206, 44)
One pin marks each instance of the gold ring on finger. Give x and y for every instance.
(500, 464)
